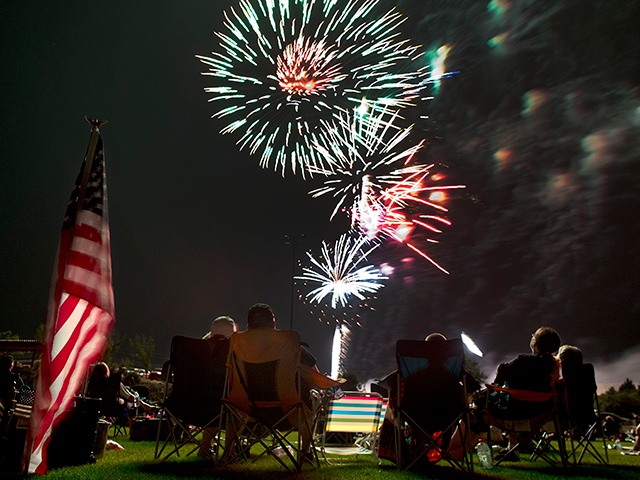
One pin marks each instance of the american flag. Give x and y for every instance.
(80, 312)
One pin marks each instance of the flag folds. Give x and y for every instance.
(80, 312)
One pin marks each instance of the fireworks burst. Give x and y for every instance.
(339, 274)
(285, 68)
(373, 178)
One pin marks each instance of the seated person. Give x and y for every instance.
(101, 386)
(432, 412)
(580, 386)
(611, 428)
(221, 330)
(260, 316)
(9, 380)
(536, 371)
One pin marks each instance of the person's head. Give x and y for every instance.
(435, 337)
(6, 363)
(570, 356)
(100, 371)
(545, 340)
(224, 326)
(261, 316)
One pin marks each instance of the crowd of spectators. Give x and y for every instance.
(538, 371)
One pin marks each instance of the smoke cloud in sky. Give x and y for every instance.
(542, 122)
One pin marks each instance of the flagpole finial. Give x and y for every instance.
(94, 122)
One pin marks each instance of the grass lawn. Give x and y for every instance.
(136, 462)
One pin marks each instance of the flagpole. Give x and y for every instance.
(91, 153)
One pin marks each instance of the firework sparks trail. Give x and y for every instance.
(285, 68)
(397, 226)
(339, 350)
(339, 274)
(362, 155)
(359, 151)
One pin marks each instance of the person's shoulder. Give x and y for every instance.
(526, 358)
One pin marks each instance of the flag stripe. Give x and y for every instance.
(74, 311)
(84, 278)
(88, 232)
(89, 219)
(85, 262)
(88, 247)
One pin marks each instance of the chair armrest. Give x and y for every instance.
(524, 395)
(316, 379)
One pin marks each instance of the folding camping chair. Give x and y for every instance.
(580, 396)
(263, 396)
(197, 370)
(533, 433)
(110, 407)
(430, 402)
(356, 414)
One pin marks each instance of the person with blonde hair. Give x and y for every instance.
(223, 326)
(221, 330)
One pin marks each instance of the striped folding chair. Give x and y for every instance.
(355, 419)
(22, 413)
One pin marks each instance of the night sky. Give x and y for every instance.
(542, 123)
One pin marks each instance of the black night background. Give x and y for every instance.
(541, 122)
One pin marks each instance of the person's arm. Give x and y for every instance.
(125, 393)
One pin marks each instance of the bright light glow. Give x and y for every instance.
(363, 108)
(402, 232)
(386, 269)
(437, 64)
(470, 344)
(436, 196)
(335, 353)
(339, 350)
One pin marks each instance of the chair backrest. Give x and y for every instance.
(416, 355)
(107, 391)
(355, 412)
(431, 374)
(263, 369)
(580, 388)
(198, 368)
